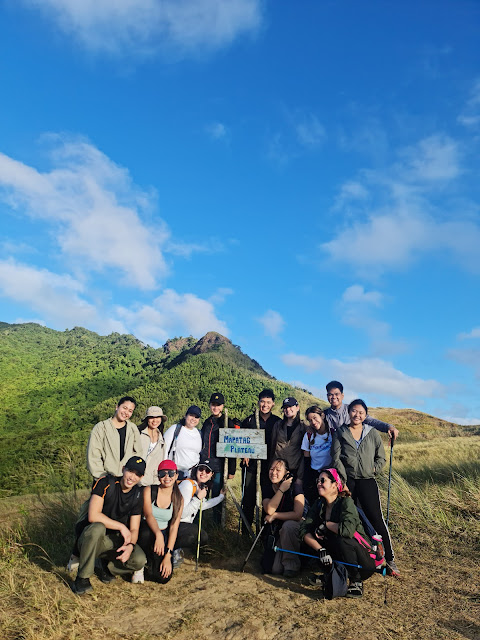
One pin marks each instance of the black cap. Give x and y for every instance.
(289, 402)
(194, 411)
(205, 463)
(217, 398)
(136, 464)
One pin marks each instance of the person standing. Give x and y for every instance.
(183, 442)
(210, 437)
(114, 441)
(266, 420)
(337, 412)
(152, 443)
(287, 436)
(359, 456)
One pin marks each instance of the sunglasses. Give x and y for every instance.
(205, 469)
(164, 472)
(322, 480)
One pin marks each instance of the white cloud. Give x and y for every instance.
(220, 295)
(470, 117)
(143, 27)
(172, 313)
(356, 310)
(217, 130)
(371, 376)
(30, 320)
(58, 298)
(357, 294)
(272, 323)
(411, 213)
(461, 420)
(474, 333)
(95, 208)
(310, 132)
(433, 159)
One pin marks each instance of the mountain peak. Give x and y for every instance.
(211, 340)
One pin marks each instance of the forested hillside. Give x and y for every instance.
(56, 385)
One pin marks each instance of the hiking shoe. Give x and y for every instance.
(81, 586)
(316, 580)
(73, 563)
(102, 572)
(138, 577)
(355, 590)
(177, 558)
(392, 569)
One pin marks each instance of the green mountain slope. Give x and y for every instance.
(56, 385)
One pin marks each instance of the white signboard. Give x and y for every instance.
(242, 443)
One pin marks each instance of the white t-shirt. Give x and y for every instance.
(320, 450)
(186, 449)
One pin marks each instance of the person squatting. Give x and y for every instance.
(319, 493)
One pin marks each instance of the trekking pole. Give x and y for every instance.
(244, 469)
(389, 479)
(307, 555)
(252, 547)
(199, 534)
(392, 440)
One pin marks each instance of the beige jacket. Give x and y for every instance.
(154, 459)
(103, 448)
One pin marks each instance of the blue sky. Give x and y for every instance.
(301, 177)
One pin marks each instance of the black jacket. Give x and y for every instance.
(210, 438)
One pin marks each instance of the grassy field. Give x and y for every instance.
(435, 526)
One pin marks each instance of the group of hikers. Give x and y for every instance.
(319, 492)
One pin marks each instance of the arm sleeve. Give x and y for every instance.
(309, 524)
(95, 459)
(137, 442)
(191, 504)
(378, 424)
(380, 458)
(212, 502)
(305, 443)
(349, 519)
(337, 463)
(168, 438)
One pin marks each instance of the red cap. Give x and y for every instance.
(167, 464)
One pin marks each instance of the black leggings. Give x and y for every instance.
(146, 540)
(351, 551)
(187, 536)
(365, 494)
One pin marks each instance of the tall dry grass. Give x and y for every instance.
(434, 511)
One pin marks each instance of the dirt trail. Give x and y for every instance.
(428, 602)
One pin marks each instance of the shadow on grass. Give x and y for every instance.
(468, 630)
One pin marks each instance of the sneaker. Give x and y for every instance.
(73, 563)
(177, 558)
(355, 590)
(392, 569)
(102, 572)
(138, 577)
(81, 586)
